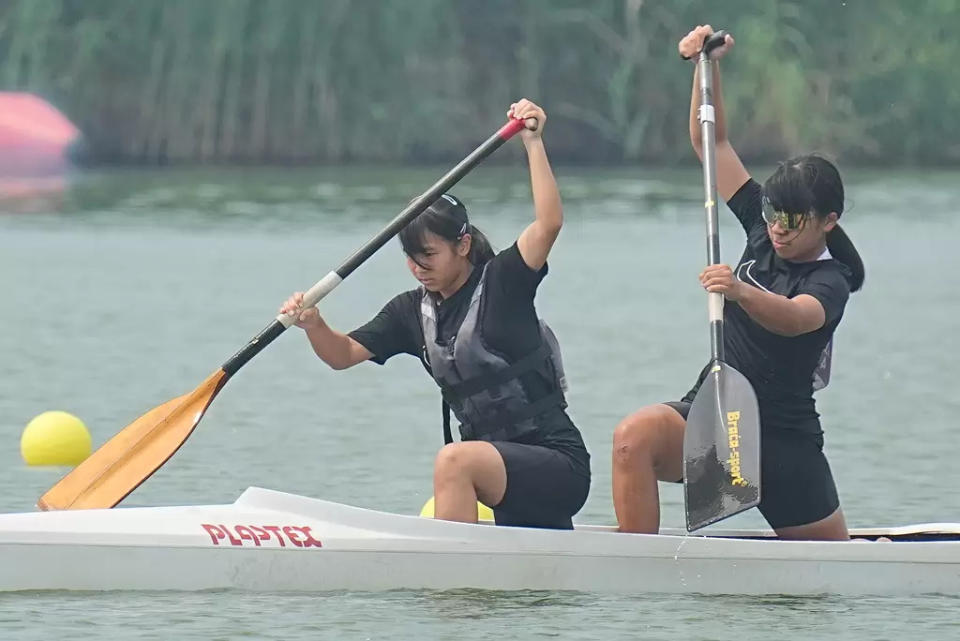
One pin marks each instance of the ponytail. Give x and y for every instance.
(480, 249)
(843, 251)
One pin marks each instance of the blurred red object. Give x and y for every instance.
(35, 141)
(34, 136)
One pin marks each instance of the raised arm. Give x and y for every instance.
(731, 174)
(334, 348)
(537, 239)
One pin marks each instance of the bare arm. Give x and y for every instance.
(731, 174)
(334, 348)
(781, 315)
(778, 314)
(537, 239)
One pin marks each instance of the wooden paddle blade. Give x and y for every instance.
(133, 454)
(721, 449)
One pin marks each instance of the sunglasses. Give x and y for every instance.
(788, 221)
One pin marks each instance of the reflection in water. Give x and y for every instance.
(32, 195)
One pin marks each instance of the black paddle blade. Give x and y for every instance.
(721, 448)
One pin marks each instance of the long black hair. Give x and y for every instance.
(811, 183)
(447, 218)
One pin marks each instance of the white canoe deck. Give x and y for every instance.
(273, 541)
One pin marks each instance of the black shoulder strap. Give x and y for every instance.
(447, 434)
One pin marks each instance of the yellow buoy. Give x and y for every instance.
(483, 512)
(55, 438)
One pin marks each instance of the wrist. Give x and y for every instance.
(533, 143)
(313, 324)
(740, 292)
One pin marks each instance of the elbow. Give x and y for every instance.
(332, 363)
(796, 327)
(549, 226)
(554, 226)
(337, 365)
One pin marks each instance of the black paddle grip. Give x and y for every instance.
(715, 40)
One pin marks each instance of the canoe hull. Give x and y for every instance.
(273, 542)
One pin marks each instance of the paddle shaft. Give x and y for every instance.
(721, 444)
(137, 451)
(329, 282)
(708, 142)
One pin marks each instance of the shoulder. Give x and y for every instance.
(828, 283)
(747, 205)
(409, 299)
(749, 196)
(394, 330)
(510, 280)
(403, 307)
(510, 262)
(831, 273)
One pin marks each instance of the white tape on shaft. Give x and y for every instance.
(706, 113)
(715, 306)
(323, 287)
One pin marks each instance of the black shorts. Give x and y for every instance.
(797, 487)
(545, 487)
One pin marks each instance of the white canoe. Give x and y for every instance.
(273, 541)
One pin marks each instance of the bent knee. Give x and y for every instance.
(646, 434)
(464, 459)
(634, 437)
(449, 459)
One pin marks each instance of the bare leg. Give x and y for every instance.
(647, 447)
(831, 528)
(464, 473)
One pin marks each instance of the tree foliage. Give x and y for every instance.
(187, 81)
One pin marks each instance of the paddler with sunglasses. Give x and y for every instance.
(785, 298)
